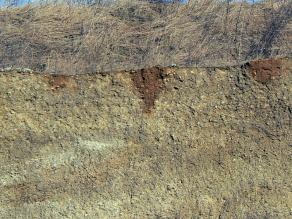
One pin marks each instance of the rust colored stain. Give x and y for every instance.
(265, 70)
(149, 83)
(57, 82)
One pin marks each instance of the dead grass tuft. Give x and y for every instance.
(62, 39)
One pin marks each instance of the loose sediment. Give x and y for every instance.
(179, 142)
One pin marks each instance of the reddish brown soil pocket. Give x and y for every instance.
(57, 82)
(149, 83)
(265, 70)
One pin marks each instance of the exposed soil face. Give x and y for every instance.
(217, 144)
(149, 83)
(265, 70)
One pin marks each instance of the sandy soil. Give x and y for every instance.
(182, 143)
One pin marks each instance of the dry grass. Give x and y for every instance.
(136, 34)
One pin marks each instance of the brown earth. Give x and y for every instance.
(61, 81)
(214, 143)
(265, 70)
(149, 83)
